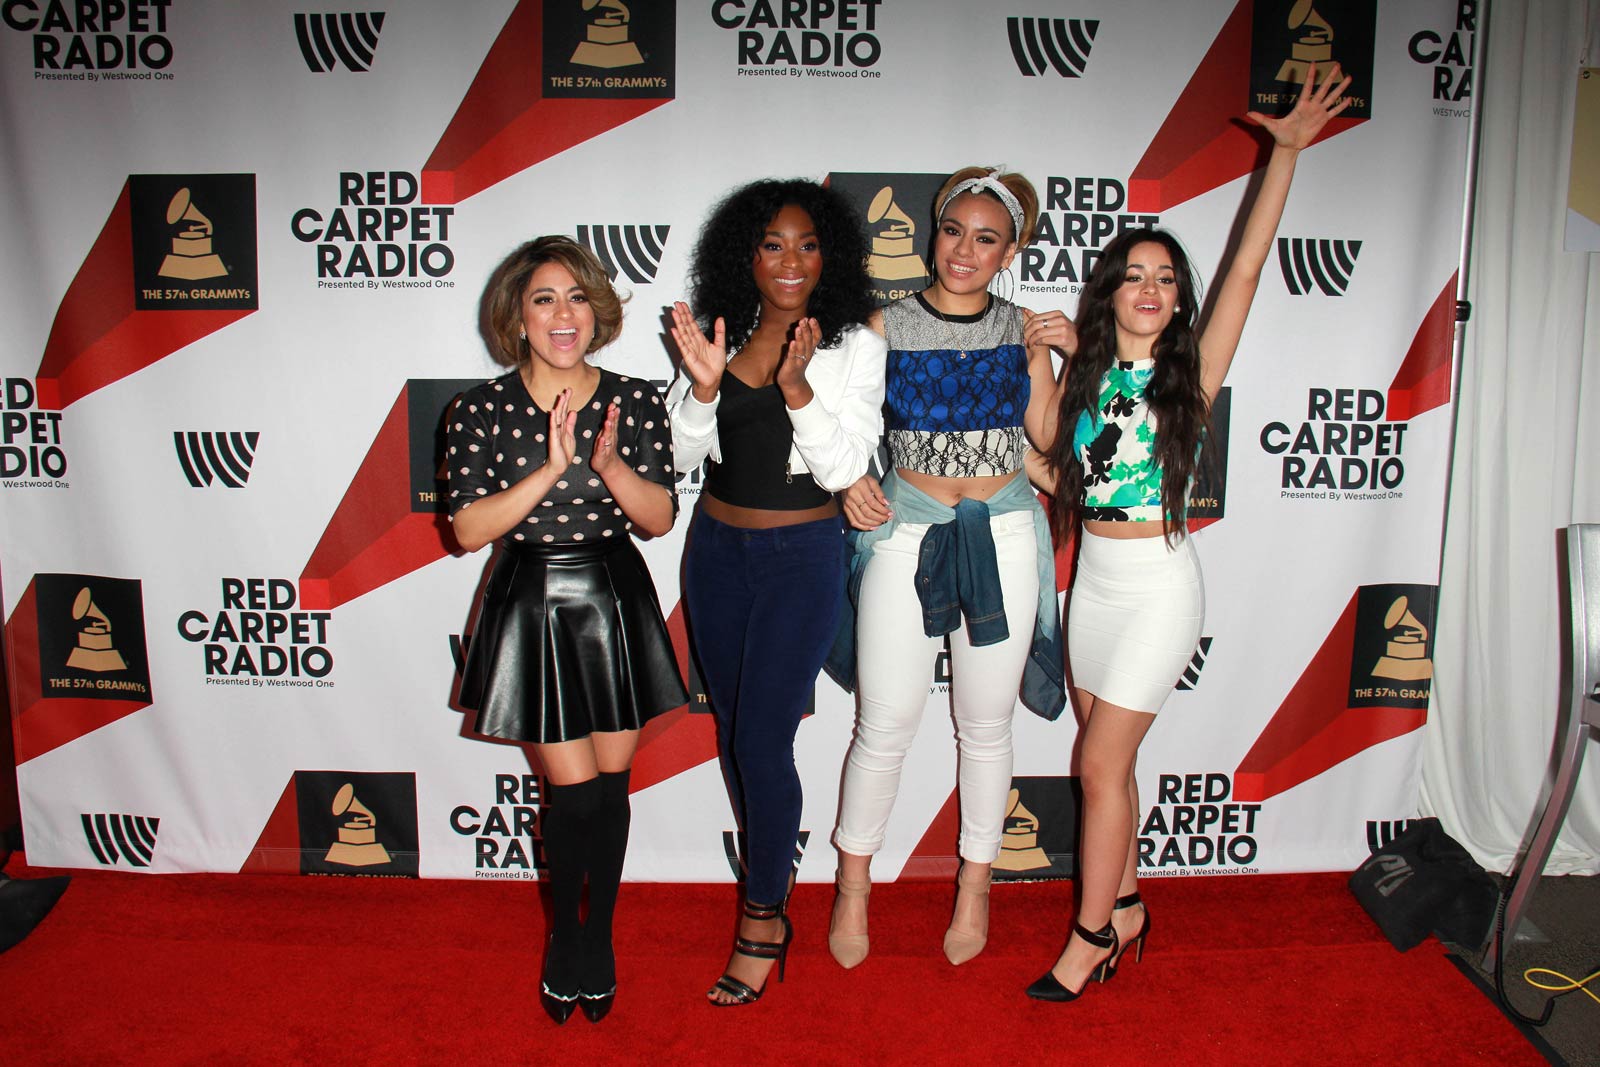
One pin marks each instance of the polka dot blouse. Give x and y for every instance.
(497, 437)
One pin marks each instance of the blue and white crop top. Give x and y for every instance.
(957, 389)
(1116, 445)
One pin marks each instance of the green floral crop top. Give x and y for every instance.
(1116, 445)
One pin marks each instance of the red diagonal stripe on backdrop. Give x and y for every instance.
(934, 859)
(277, 850)
(677, 741)
(1205, 142)
(504, 125)
(1423, 381)
(41, 724)
(98, 337)
(1314, 729)
(374, 537)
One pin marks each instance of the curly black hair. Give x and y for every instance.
(720, 279)
(1176, 398)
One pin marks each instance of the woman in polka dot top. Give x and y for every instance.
(558, 461)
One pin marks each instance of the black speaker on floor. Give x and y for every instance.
(24, 903)
(1424, 882)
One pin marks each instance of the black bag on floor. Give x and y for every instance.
(1424, 882)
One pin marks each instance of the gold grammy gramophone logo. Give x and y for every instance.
(192, 257)
(94, 650)
(1289, 37)
(894, 255)
(1313, 42)
(1405, 656)
(92, 637)
(357, 823)
(194, 241)
(898, 210)
(1392, 658)
(358, 844)
(618, 49)
(1019, 839)
(1039, 837)
(605, 42)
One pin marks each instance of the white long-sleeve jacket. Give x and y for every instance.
(835, 435)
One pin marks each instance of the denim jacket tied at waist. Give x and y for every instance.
(957, 575)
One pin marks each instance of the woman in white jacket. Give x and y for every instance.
(784, 399)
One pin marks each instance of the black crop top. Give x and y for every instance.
(756, 436)
(497, 438)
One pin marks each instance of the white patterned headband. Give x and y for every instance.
(989, 183)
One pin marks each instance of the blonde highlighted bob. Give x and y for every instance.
(509, 283)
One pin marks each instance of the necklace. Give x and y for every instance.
(949, 327)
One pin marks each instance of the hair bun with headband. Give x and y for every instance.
(988, 183)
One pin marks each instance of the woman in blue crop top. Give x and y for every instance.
(1134, 408)
(784, 398)
(970, 383)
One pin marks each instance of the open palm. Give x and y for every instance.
(703, 359)
(1312, 110)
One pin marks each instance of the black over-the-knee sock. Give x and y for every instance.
(566, 822)
(608, 844)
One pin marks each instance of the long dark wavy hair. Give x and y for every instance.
(720, 280)
(1175, 395)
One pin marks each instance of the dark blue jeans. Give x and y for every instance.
(763, 606)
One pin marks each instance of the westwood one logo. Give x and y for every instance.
(1042, 44)
(635, 251)
(345, 39)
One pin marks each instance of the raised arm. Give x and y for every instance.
(692, 401)
(1237, 290)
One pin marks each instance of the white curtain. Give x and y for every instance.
(1527, 457)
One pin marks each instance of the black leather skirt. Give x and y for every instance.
(570, 640)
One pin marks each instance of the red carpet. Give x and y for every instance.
(231, 969)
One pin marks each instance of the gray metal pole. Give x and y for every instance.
(1469, 203)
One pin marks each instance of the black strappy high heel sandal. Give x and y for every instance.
(1137, 939)
(761, 950)
(1049, 987)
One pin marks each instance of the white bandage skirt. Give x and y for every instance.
(1134, 618)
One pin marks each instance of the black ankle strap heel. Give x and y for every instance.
(1137, 940)
(1049, 988)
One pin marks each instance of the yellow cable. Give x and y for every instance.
(1571, 983)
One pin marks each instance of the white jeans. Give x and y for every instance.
(894, 664)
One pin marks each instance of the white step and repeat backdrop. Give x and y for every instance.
(245, 249)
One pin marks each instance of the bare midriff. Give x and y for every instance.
(763, 518)
(951, 491)
(1124, 531)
